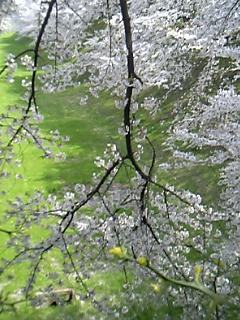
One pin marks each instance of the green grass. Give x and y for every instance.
(90, 128)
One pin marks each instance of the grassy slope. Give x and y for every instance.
(90, 128)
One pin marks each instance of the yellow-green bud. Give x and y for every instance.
(118, 252)
(143, 261)
(156, 287)
(197, 272)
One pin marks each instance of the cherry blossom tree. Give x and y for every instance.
(143, 53)
(6, 6)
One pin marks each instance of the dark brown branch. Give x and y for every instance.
(129, 90)
(70, 214)
(128, 99)
(32, 98)
(166, 202)
(74, 11)
(79, 278)
(18, 255)
(113, 178)
(16, 57)
(62, 229)
(35, 139)
(226, 16)
(110, 29)
(215, 289)
(8, 232)
(33, 275)
(56, 41)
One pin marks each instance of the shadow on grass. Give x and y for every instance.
(90, 127)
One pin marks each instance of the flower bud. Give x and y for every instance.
(143, 261)
(197, 272)
(118, 252)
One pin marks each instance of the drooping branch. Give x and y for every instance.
(78, 276)
(32, 97)
(15, 58)
(230, 12)
(127, 110)
(56, 39)
(70, 214)
(63, 227)
(129, 90)
(74, 11)
(8, 232)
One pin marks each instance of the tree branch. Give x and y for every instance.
(32, 98)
